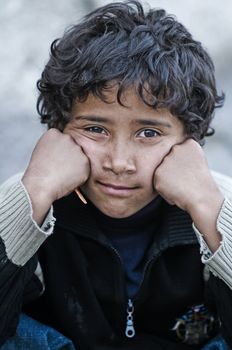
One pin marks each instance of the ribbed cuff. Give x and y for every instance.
(220, 263)
(20, 233)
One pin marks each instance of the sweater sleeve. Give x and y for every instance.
(20, 233)
(220, 262)
(20, 238)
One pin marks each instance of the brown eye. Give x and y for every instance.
(147, 133)
(95, 129)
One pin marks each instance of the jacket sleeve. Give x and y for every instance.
(20, 238)
(220, 263)
(218, 266)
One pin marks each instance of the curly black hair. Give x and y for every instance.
(147, 49)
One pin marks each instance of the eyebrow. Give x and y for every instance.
(93, 118)
(100, 119)
(153, 122)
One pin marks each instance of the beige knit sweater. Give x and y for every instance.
(22, 236)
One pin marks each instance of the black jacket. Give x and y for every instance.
(85, 296)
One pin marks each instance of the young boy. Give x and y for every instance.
(128, 98)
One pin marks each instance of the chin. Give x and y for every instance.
(117, 212)
(117, 208)
(116, 215)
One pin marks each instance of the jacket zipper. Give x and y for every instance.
(130, 331)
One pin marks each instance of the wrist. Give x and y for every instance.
(41, 199)
(205, 215)
(207, 205)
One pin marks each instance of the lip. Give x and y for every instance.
(116, 190)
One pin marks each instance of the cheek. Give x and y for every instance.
(145, 168)
(150, 159)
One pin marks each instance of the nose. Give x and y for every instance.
(120, 158)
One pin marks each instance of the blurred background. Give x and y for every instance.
(29, 26)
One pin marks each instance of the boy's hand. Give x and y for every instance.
(57, 166)
(184, 179)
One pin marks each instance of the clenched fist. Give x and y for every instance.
(183, 178)
(57, 166)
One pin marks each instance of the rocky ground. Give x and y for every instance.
(29, 26)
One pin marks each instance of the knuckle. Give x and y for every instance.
(53, 131)
(176, 148)
(191, 142)
(157, 179)
(157, 175)
(67, 137)
(85, 161)
(85, 176)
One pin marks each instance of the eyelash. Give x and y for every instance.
(150, 130)
(93, 129)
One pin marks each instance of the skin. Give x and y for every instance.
(125, 145)
(122, 157)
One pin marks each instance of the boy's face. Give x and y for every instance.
(125, 145)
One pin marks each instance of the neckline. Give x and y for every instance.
(141, 218)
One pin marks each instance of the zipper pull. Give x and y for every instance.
(130, 331)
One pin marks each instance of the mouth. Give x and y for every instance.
(116, 190)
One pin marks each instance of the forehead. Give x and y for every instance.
(131, 109)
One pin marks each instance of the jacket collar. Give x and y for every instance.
(176, 228)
